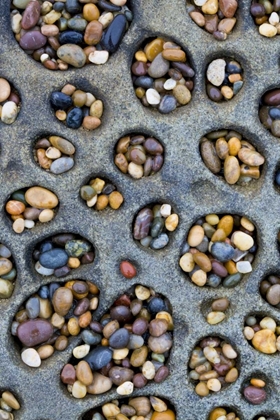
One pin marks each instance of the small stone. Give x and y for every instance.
(210, 7)
(231, 170)
(55, 258)
(10, 399)
(167, 104)
(82, 351)
(195, 236)
(98, 57)
(160, 242)
(127, 269)
(9, 112)
(159, 67)
(254, 395)
(214, 318)
(79, 390)
(222, 251)
(114, 34)
(267, 30)
(5, 89)
(125, 389)
(115, 200)
(6, 289)
(153, 97)
(244, 267)
(242, 240)
(31, 358)
(265, 341)
(216, 72)
(182, 94)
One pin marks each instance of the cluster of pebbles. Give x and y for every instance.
(221, 413)
(8, 272)
(77, 108)
(226, 154)
(60, 254)
(263, 333)
(99, 193)
(266, 16)
(223, 79)
(28, 206)
(129, 348)
(219, 250)
(269, 111)
(71, 32)
(54, 154)
(8, 404)
(218, 309)
(254, 391)
(162, 76)
(48, 319)
(152, 408)
(139, 155)
(153, 224)
(9, 102)
(212, 365)
(215, 16)
(270, 290)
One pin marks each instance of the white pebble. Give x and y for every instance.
(46, 215)
(268, 323)
(15, 23)
(243, 267)
(44, 57)
(18, 225)
(31, 358)
(165, 210)
(90, 99)
(273, 18)
(43, 270)
(81, 351)
(98, 57)
(268, 30)
(126, 388)
(29, 224)
(211, 354)
(199, 2)
(106, 19)
(92, 201)
(136, 171)
(148, 370)
(170, 84)
(53, 153)
(216, 72)
(79, 390)
(153, 97)
(9, 112)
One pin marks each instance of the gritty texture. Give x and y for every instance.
(184, 182)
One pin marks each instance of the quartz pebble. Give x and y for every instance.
(223, 79)
(76, 108)
(9, 102)
(70, 33)
(221, 413)
(162, 76)
(134, 341)
(254, 391)
(216, 18)
(212, 365)
(52, 315)
(25, 206)
(54, 154)
(100, 194)
(232, 157)
(151, 226)
(269, 111)
(8, 272)
(264, 334)
(215, 245)
(139, 155)
(266, 17)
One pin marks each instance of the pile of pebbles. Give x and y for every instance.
(58, 255)
(152, 225)
(99, 193)
(218, 309)
(269, 111)
(77, 108)
(152, 408)
(266, 17)
(270, 290)
(263, 333)
(221, 413)
(223, 79)
(216, 17)
(8, 403)
(162, 76)
(27, 206)
(54, 154)
(8, 272)
(219, 250)
(9, 102)
(50, 317)
(131, 346)
(213, 365)
(226, 154)
(254, 391)
(139, 155)
(63, 33)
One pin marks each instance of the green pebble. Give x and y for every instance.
(11, 275)
(157, 226)
(156, 210)
(19, 196)
(214, 135)
(146, 241)
(232, 280)
(251, 320)
(77, 24)
(77, 248)
(62, 24)
(21, 4)
(158, 357)
(87, 192)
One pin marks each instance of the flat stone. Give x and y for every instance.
(72, 54)
(216, 72)
(159, 67)
(54, 258)
(61, 165)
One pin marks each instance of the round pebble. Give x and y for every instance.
(9, 102)
(100, 194)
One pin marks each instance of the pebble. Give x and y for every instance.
(9, 112)
(127, 269)
(254, 395)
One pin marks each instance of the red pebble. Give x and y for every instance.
(127, 269)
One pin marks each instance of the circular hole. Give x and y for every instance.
(63, 34)
(139, 155)
(153, 224)
(54, 154)
(49, 318)
(227, 155)
(270, 290)
(75, 108)
(216, 18)
(28, 206)
(162, 76)
(9, 102)
(218, 412)
(155, 407)
(256, 389)
(219, 250)
(8, 272)
(269, 111)
(266, 17)
(134, 342)
(213, 365)
(58, 255)
(9, 403)
(224, 79)
(262, 333)
(216, 310)
(101, 193)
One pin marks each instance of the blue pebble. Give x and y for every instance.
(52, 288)
(71, 37)
(274, 113)
(112, 38)
(44, 292)
(54, 258)
(145, 82)
(60, 101)
(213, 280)
(156, 304)
(74, 118)
(46, 246)
(222, 251)
(167, 104)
